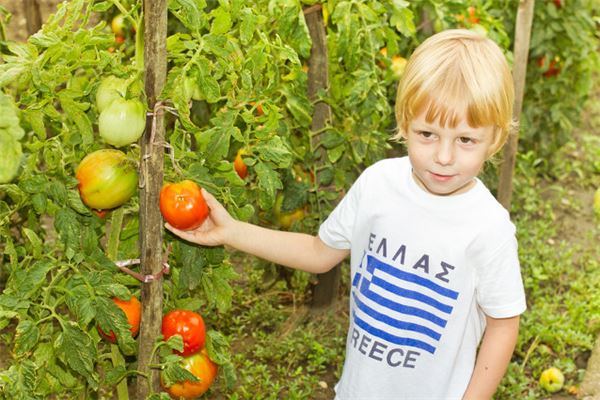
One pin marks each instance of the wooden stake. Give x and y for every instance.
(151, 178)
(521, 54)
(327, 286)
(33, 16)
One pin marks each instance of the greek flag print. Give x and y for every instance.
(399, 306)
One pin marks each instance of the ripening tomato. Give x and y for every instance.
(119, 39)
(107, 179)
(110, 89)
(133, 310)
(117, 24)
(122, 122)
(238, 164)
(203, 368)
(472, 17)
(189, 325)
(182, 205)
(286, 219)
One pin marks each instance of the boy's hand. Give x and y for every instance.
(213, 231)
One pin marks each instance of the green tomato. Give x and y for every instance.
(107, 179)
(109, 90)
(123, 122)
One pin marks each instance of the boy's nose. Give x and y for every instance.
(444, 154)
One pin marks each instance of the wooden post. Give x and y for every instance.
(521, 54)
(33, 16)
(327, 286)
(151, 178)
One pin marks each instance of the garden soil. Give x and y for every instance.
(590, 387)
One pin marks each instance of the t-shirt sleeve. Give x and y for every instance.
(499, 286)
(337, 229)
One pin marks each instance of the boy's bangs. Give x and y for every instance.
(449, 103)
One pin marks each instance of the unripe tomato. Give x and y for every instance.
(117, 24)
(133, 310)
(286, 219)
(238, 164)
(202, 367)
(189, 325)
(110, 89)
(122, 122)
(182, 205)
(107, 179)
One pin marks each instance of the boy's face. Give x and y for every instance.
(445, 160)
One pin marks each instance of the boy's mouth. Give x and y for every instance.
(441, 177)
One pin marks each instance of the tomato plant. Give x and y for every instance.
(200, 366)
(189, 325)
(107, 179)
(182, 205)
(132, 309)
(122, 122)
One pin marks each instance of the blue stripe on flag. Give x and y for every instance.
(411, 294)
(401, 341)
(373, 264)
(394, 322)
(398, 307)
(356, 279)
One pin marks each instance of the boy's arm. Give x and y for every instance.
(292, 249)
(494, 355)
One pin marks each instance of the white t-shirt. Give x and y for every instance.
(424, 270)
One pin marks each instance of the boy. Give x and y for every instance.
(434, 266)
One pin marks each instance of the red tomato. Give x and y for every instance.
(182, 205)
(189, 325)
(107, 179)
(238, 164)
(202, 367)
(133, 310)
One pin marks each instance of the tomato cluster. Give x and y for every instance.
(190, 326)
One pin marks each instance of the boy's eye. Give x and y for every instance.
(465, 140)
(425, 134)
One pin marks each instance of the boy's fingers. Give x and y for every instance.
(211, 201)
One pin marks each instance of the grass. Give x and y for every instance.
(281, 351)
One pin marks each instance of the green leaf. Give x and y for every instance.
(174, 373)
(74, 110)
(268, 183)
(221, 21)
(11, 157)
(36, 242)
(208, 85)
(111, 318)
(28, 281)
(79, 302)
(276, 151)
(248, 26)
(217, 287)
(78, 351)
(68, 227)
(74, 201)
(26, 337)
(192, 262)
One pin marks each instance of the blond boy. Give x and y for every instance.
(434, 266)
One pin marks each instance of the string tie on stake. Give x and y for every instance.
(123, 264)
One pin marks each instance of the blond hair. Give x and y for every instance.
(457, 74)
